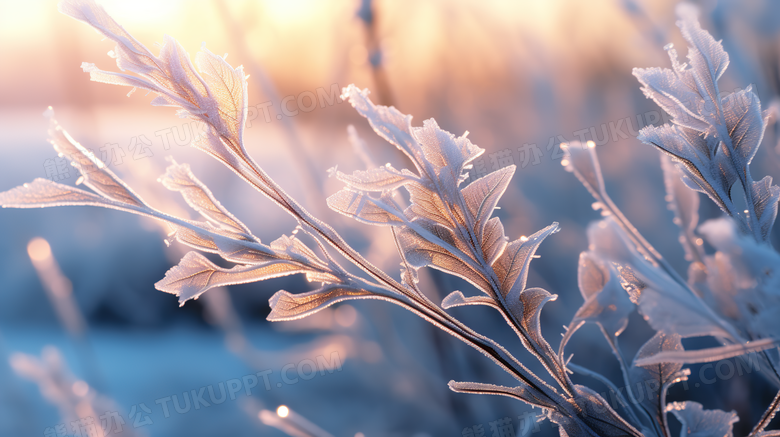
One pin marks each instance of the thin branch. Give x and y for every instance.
(767, 417)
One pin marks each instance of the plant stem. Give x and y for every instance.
(767, 417)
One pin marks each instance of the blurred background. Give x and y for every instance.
(83, 332)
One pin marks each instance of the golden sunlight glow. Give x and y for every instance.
(38, 249)
(288, 11)
(20, 16)
(591, 144)
(283, 411)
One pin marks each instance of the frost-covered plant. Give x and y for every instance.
(445, 224)
(732, 295)
(621, 272)
(712, 140)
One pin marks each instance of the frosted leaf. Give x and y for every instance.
(715, 281)
(388, 122)
(436, 154)
(606, 302)
(609, 308)
(288, 306)
(493, 240)
(448, 238)
(456, 299)
(712, 176)
(713, 138)
(294, 249)
(581, 160)
(751, 259)
(610, 243)
(196, 238)
(742, 279)
(200, 235)
(384, 178)
(671, 309)
(217, 97)
(482, 196)
(745, 123)
(689, 93)
(234, 247)
(445, 155)
(430, 207)
(422, 253)
(685, 204)
(157, 101)
(675, 92)
(445, 227)
(437, 220)
(707, 355)
(195, 274)
(42, 193)
(409, 276)
(528, 310)
(128, 50)
(112, 78)
(590, 415)
(651, 381)
(94, 172)
(244, 252)
(171, 74)
(524, 393)
(365, 208)
(592, 275)
(706, 56)
(513, 265)
(698, 422)
(227, 87)
(765, 198)
(178, 177)
(665, 304)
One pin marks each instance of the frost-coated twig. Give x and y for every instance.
(767, 417)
